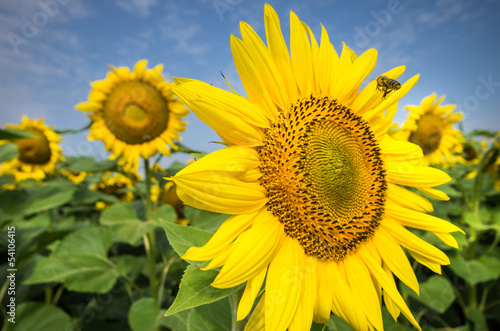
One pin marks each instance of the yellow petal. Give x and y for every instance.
(326, 287)
(219, 192)
(250, 294)
(304, 315)
(284, 285)
(227, 232)
(389, 287)
(404, 173)
(408, 199)
(300, 50)
(256, 321)
(249, 75)
(418, 220)
(395, 258)
(253, 251)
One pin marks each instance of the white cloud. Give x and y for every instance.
(142, 7)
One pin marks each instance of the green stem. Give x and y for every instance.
(48, 295)
(149, 239)
(472, 296)
(172, 258)
(58, 294)
(234, 299)
(134, 285)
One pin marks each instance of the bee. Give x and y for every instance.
(387, 85)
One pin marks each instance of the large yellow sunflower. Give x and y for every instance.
(314, 184)
(135, 113)
(37, 156)
(430, 126)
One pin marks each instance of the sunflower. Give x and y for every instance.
(37, 156)
(430, 126)
(313, 183)
(135, 114)
(76, 177)
(117, 184)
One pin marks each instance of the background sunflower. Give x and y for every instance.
(135, 114)
(37, 156)
(430, 125)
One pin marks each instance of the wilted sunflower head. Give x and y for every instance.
(430, 125)
(37, 156)
(135, 114)
(316, 186)
(116, 184)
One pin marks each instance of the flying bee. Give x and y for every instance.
(387, 85)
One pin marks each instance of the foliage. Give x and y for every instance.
(81, 268)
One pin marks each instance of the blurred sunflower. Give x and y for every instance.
(116, 184)
(430, 126)
(74, 176)
(135, 114)
(313, 183)
(37, 156)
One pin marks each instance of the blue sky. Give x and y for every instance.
(51, 49)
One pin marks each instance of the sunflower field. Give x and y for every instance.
(316, 213)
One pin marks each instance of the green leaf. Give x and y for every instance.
(129, 264)
(183, 237)
(436, 293)
(83, 272)
(144, 315)
(35, 316)
(477, 271)
(205, 220)
(335, 323)
(90, 240)
(177, 322)
(477, 317)
(164, 213)
(79, 262)
(89, 164)
(11, 133)
(125, 225)
(35, 199)
(85, 196)
(8, 152)
(215, 316)
(195, 290)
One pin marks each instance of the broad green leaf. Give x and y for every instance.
(11, 133)
(119, 211)
(35, 199)
(477, 317)
(335, 323)
(176, 322)
(164, 213)
(90, 240)
(195, 290)
(477, 271)
(89, 164)
(8, 152)
(36, 316)
(129, 264)
(125, 225)
(203, 219)
(436, 293)
(86, 197)
(144, 315)
(182, 237)
(214, 316)
(82, 272)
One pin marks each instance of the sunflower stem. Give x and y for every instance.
(234, 299)
(149, 239)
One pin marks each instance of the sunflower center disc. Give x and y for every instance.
(135, 112)
(428, 133)
(324, 177)
(34, 150)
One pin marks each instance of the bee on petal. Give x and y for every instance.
(387, 85)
